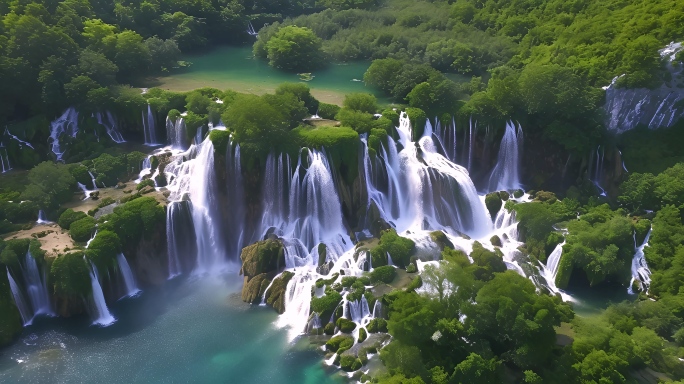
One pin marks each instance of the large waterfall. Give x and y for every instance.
(641, 274)
(506, 173)
(67, 124)
(97, 305)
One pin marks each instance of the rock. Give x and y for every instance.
(325, 268)
(275, 296)
(345, 325)
(493, 203)
(253, 289)
(496, 241)
(120, 185)
(504, 195)
(441, 240)
(262, 257)
(147, 189)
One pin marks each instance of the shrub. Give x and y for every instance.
(377, 325)
(399, 248)
(103, 249)
(328, 111)
(81, 230)
(70, 275)
(329, 329)
(145, 183)
(326, 303)
(336, 343)
(493, 203)
(220, 139)
(345, 325)
(383, 274)
(362, 335)
(362, 102)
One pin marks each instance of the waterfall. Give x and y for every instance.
(377, 309)
(85, 190)
(145, 169)
(19, 301)
(98, 307)
(358, 310)
(180, 236)
(297, 301)
(176, 133)
(471, 142)
(550, 270)
(67, 124)
(149, 127)
(196, 178)
(506, 173)
(596, 169)
(127, 275)
(21, 142)
(4, 159)
(641, 274)
(42, 218)
(446, 137)
(108, 121)
(92, 179)
(36, 287)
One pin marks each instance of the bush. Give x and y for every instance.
(103, 249)
(105, 202)
(68, 217)
(326, 303)
(339, 343)
(493, 203)
(220, 139)
(350, 363)
(70, 275)
(362, 102)
(145, 183)
(345, 325)
(81, 230)
(328, 111)
(329, 329)
(383, 274)
(135, 219)
(377, 325)
(362, 335)
(399, 248)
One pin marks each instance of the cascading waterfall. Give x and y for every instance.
(97, 305)
(358, 310)
(36, 287)
(180, 236)
(127, 275)
(149, 127)
(92, 179)
(19, 301)
(596, 169)
(176, 133)
(42, 218)
(641, 274)
(67, 124)
(446, 137)
(108, 121)
(4, 159)
(145, 169)
(550, 271)
(506, 173)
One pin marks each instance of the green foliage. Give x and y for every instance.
(384, 274)
(362, 102)
(377, 325)
(69, 216)
(135, 219)
(328, 111)
(82, 229)
(145, 183)
(339, 342)
(50, 185)
(474, 369)
(326, 303)
(418, 118)
(402, 359)
(70, 276)
(109, 169)
(399, 248)
(103, 249)
(294, 48)
(493, 203)
(302, 92)
(345, 325)
(220, 139)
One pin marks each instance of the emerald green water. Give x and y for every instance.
(235, 68)
(194, 331)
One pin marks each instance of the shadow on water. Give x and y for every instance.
(592, 300)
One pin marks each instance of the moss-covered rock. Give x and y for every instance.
(69, 216)
(339, 343)
(262, 257)
(565, 268)
(326, 304)
(220, 139)
(441, 240)
(418, 117)
(377, 325)
(504, 195)
(70, 275)
(399, 248)
(350, 363)
(345, 325)
(82, 230)
(384, 274)
(518, 193)
(495, 240)
(329, 329)
(103, 249)
(493, 203)
(275, 296)
(362, 335)
(412, 268)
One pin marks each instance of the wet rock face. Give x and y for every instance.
(149, 259)
(275, 296)
(262, 257)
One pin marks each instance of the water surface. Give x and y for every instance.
(194, 331)
(228, 67)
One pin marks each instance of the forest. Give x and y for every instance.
(467, 318)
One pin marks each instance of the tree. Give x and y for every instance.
(51, 185)
(295, 48)
(164, 53)
(257, 124)
(363, 102)
(132, 55)
(96, 66)
(302, 92)
(474, 370)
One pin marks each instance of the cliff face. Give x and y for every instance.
(654, 108)
(149, 259)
